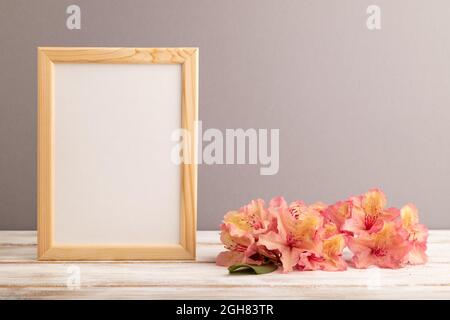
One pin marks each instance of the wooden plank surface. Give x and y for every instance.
(23, 277)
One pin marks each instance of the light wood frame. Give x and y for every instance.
(47, 57)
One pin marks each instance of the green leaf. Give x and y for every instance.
(252, 269)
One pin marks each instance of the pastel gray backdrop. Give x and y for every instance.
(355, 108)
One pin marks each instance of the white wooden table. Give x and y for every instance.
(22, 277)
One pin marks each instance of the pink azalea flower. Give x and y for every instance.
(296, 233)
(252, 218)
(239, 233)
(313, 237)
(386, 248)
(330, 258)
(417, 234)
(368, 213)
(338, 213)
(240, 248)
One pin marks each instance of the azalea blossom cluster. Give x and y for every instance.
(298, 236)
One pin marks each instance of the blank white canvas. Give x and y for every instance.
(114, 179)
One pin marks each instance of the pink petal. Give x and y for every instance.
(278, 202)
(417, 255)
(338, 213)
(272, 241)
(289, 256)
(336, 264)
(356, 223)
(361, 250)
(420, 233)
(409, 216)
(307, 262)
(374, 201)
(390, 214)
(228, 258)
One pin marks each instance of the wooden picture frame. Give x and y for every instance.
(48, 248)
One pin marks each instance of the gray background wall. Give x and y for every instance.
(355, 108)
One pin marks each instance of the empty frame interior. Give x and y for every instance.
(107, 187)
(113, 175)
